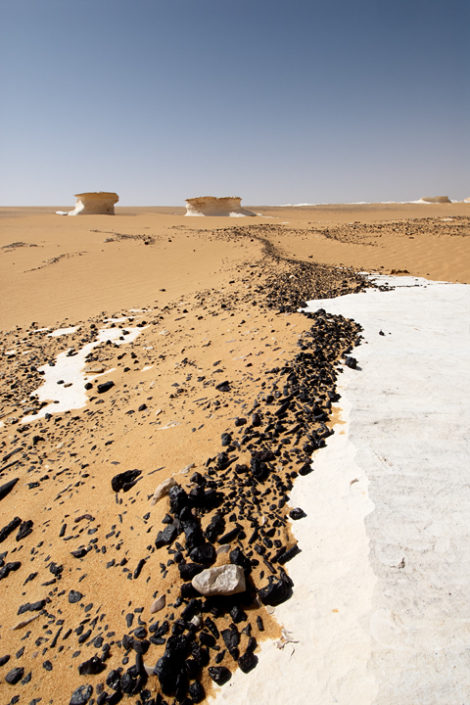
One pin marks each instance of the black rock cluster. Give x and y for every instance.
(225, 504)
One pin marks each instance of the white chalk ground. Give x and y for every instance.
(381, 607)
(68, 370)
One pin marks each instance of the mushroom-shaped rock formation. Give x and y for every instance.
(93, 203)
(436, 199)
(210, 205)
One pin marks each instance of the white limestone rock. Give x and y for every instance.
(93, 203)
(222, 580)
(158, 604)
(210, 205)
(163, 489)
(436, 199)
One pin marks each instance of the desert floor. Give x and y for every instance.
(221, 383)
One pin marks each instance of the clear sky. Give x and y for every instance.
(277, 101)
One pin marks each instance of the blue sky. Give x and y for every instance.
(277, 102)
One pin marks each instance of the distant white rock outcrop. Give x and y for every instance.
(436, 199)
(93, 203)
(210, 205)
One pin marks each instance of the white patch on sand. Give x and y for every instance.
(119, 319)
(62, 331)
(387, 539)
(146, 368)
(70, 370)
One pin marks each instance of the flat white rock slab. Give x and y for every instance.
(381, 607)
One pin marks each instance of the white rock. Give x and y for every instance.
(222, 580)
(158, 604)
(436, 199)
(162, 489)
(97, 203)
(210, 205)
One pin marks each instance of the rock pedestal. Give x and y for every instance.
(210, 205)
(93, 203)
(436, 199)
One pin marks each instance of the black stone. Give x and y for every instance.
(9, 528)
(238, 558)
(92, 666)
(205, 554)
(167, 670)
(215, 527)
(113, 680)
(74, 596)
(288, 555)
(7, 487)
(104, 386)
(138, 569)
(81, 695)
(9, 568)
(189, 570)
(26, 528)
(212, 626)
(231, 638)
(223, 386)
(219, 674)
(207, 639)
(125, 480)
(178, 499)
(230, 535)
(248, 661)
(196, 692)
(13, 676)
(237, 614)
(297, 513)
(306, 468)
(166, 536)
(226, 439)
(79, 552)
(198, 479)
(276, 591)
(31, 606)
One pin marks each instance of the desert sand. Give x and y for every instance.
(215, 378)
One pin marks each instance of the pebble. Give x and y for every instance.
(104, 386)
(158, 604)
(13, 676)
(74, 596)
(125, 480)
(219, 674)
(81, 695)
